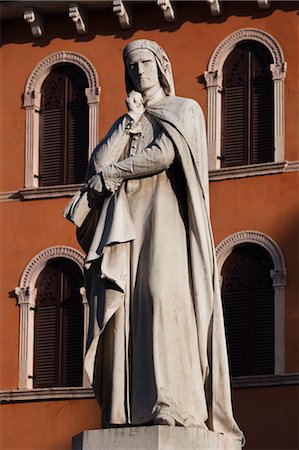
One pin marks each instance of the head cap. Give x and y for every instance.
(162, 60)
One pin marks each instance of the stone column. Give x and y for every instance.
(214, 87)
(26, 301)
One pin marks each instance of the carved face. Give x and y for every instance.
(143, 70)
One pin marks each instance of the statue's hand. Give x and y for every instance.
(96, 183)
(135, 105)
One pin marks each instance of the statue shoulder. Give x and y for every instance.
(183, 104)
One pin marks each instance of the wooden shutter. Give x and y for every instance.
(247, 106)
(58, 349)
(63, 127)
(248, 300)
(262, 106)
(235, 110)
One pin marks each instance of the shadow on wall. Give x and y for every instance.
(146, 17)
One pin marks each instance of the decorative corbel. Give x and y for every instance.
(168, 10)
(263, 4)
(79, 17)
(215, 7)
(122, 13)
(35, 21)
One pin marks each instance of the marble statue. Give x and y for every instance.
(156, 346)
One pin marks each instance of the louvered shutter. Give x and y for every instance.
(262, 117)
(247, 107)
(72, 328)
(63, 127)
(77, 128)
(248, 300)
(52, 138)
(47, 324)
(58, 351)
(235, 110)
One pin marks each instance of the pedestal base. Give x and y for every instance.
(154, 438)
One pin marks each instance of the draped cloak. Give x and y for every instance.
(109, 232)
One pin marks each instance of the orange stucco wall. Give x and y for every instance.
(268, 204)
(188, 44)
(46, 425)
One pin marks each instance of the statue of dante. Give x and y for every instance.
(157, 351)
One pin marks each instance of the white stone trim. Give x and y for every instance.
(214, 76)
(31, 104)
(36, 22)
(79, 17)
(123, 13)
(46, 394)
(26, 294)
(168, 9)
(215, 7)
(286, 379)
(278, 275)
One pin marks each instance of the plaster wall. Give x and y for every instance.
(268, 204)
(189, 44)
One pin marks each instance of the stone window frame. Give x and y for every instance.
(214, 78)
(32, 105)
(26, 294)
(278, 275)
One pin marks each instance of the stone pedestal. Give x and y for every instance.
(153, 438)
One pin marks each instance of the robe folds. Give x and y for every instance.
(156, 339)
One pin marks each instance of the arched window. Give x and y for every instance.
(247, 106)
(253, 278)
(59, 326)
(54, 317)
(63, 153)
(61, 100)
(248, 302)
(245, 84)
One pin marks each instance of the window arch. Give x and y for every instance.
(248, 303)
(63, 126)
(89, 94)
(58, 325)
(247, 106)
(253, 282)
(51, 291)
(214, 83)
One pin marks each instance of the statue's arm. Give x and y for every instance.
(152, 160)
(111, 147)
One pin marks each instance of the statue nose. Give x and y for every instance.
(140, 68)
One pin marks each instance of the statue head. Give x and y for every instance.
(147, 66)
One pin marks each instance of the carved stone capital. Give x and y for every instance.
(278, 277)
(35, 21)
(278, 71)
(213, 78)
(26, 296)
(168, 10)
(83, 295)
(215, 7)
(92, 95)
(79, 17)
(122, 13)
(32, 100)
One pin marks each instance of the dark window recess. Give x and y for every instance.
(247, 106)
(58, 346)
(248, 302)
(63, 127)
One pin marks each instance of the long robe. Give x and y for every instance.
(156, 338)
